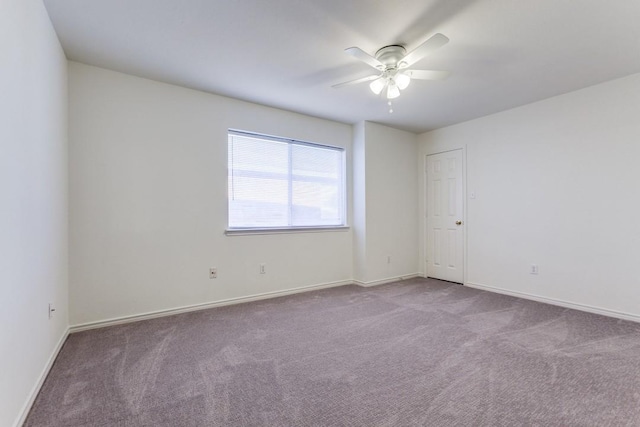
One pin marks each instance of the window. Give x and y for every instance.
(278, 183)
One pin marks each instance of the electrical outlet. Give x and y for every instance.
(388, 259)
(263, 268)
(52, 309)
(534, 269)
(213, 273)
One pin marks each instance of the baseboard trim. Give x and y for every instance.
(203, 306)
(561, 303)
(24, 412)
(386, 280)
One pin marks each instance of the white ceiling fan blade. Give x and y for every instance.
(363, 56)
(427, 74)
(356, 81)
(434, 42)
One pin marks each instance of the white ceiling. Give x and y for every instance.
(288, 53)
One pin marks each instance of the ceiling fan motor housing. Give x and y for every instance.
(391, 55)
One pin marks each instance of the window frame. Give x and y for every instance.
(232, 231)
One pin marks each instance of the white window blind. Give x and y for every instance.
(281, 183)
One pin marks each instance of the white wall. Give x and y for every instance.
(148, 165)
(557, 185)
(359, 222)
(33, 190)
(385, 203)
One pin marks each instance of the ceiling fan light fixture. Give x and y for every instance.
(377, 85)
(402, 80)
(392, 91)
(393, 63)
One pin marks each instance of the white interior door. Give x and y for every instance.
(445, 227)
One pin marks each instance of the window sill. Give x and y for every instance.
(284, 230)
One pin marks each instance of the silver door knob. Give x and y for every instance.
(458, 222)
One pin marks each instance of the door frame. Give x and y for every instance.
(425, 261)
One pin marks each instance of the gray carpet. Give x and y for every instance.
(414, 353)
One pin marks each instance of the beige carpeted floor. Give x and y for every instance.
(419, 352)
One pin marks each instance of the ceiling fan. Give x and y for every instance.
(393, 62)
